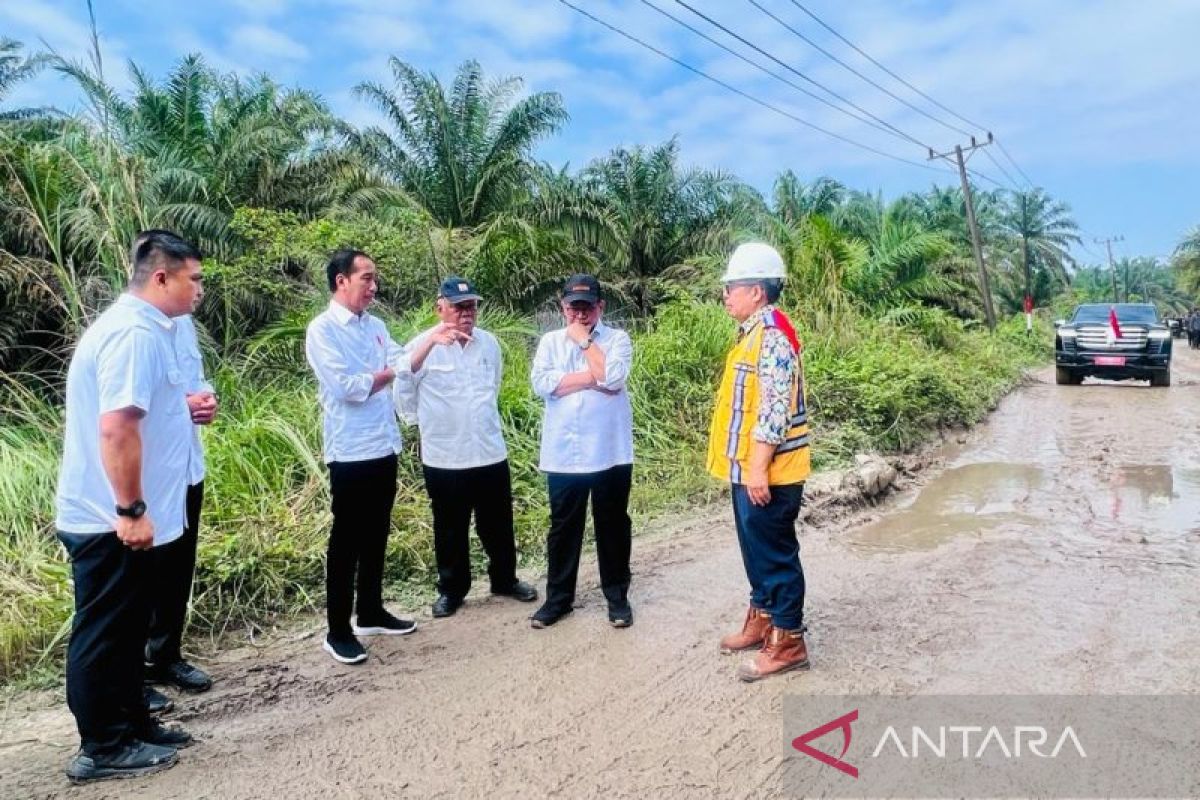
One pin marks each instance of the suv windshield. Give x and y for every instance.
(1126, 312)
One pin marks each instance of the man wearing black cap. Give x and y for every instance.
(448, 384)
(587, 450)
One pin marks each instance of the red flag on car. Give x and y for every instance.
(1113, 324)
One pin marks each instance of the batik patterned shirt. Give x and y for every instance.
(777, 363)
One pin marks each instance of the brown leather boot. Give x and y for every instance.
(753, 632)
(783, 651)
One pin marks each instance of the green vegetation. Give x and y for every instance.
(268, 181)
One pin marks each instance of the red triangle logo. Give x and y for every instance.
(842, 723)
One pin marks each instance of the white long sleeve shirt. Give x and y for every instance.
(345, 350)
(187, 351)
(453, 399)
(586, 431)
(126, 359)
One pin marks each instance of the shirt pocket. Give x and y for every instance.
(176, 390)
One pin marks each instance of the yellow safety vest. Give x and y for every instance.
(729, 439)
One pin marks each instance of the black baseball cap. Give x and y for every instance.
(458, 290)
(583, 288)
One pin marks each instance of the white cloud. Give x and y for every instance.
(261, 42)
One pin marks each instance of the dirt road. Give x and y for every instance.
(1055, 549)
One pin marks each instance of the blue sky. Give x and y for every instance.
(1095, 99)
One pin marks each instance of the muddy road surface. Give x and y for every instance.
(1055, 549)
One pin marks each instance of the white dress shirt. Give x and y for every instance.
(586, 431)
(453, 398)
(345, 350)
(126, 359)
(187, 350)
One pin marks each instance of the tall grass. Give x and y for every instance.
(885, 385)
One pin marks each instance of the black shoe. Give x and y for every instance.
(345, 648)
(164, 736)
(620, 614)
(156, 701)
(520, 591)
(445, 606)
(181, 674)
(132, 760)
(545, 616)
(383, 624)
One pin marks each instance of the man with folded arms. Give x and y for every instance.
(120, 493)
(587, 450)
(449, 385)
(354, 359)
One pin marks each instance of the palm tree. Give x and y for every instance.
(15, 68)
(1186, 262)
(464, 155)
(793, 201)
(644, 216)
(1044, 229)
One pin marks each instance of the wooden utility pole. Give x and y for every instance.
(1112, 270)
(984, 287)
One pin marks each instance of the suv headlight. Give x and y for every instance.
(1066, 332)
(1159, 333)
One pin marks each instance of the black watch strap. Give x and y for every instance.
(134, 510)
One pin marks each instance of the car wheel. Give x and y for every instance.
(1161, 378)
(1064, 377)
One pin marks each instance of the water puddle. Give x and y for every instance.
(1147, 504)
(968, 500)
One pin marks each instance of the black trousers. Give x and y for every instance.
(569, 493)
(363, 494)
(171, 582)
(108, 631)
(455, 495)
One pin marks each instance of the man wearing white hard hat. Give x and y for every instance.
(759, 442)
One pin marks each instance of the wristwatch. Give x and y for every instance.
(585, 344)
(135, 510)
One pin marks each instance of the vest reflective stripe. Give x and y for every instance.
(736, 412)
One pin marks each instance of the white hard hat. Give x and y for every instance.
(754, 260)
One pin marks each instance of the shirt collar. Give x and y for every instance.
(147, 310)
(344, 315)
(754, 319)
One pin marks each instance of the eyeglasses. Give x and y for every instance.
(466, 307)
(582, 309)
(729, 287)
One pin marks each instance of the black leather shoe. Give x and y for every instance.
(445, 606)
(180, 674)
(544, 617)
(164, 736)
(156, 701)
(520, 591)
(132, 760)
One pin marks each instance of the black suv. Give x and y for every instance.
(1089, 344)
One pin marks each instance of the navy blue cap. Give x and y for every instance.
(458, 290)
(583, 288)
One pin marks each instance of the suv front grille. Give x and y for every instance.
(1095, 337)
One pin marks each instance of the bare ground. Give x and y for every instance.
(1055, 549)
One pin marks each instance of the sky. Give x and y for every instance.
(1094, 100)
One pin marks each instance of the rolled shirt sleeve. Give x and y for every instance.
(333, 371)
(776, 366)
(544, 375)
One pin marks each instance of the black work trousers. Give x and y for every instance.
(455, 495)
(363, 493)
(171, 581)
(569, 493)
(108, 631)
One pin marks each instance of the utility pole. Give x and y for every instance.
(1111, 267)
(984, 287)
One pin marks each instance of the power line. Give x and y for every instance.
(800, 74)
(1016, 186)
(760, 67)
(837, 60)
(1012, 161)
(739, 92)
(860, 51)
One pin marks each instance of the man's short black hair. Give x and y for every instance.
(157, 248)
(772, 287)
(342, 263)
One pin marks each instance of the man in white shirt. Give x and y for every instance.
(449, 385)
(355, 361)
(121, 492)
(587, 450)
(175, 563)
